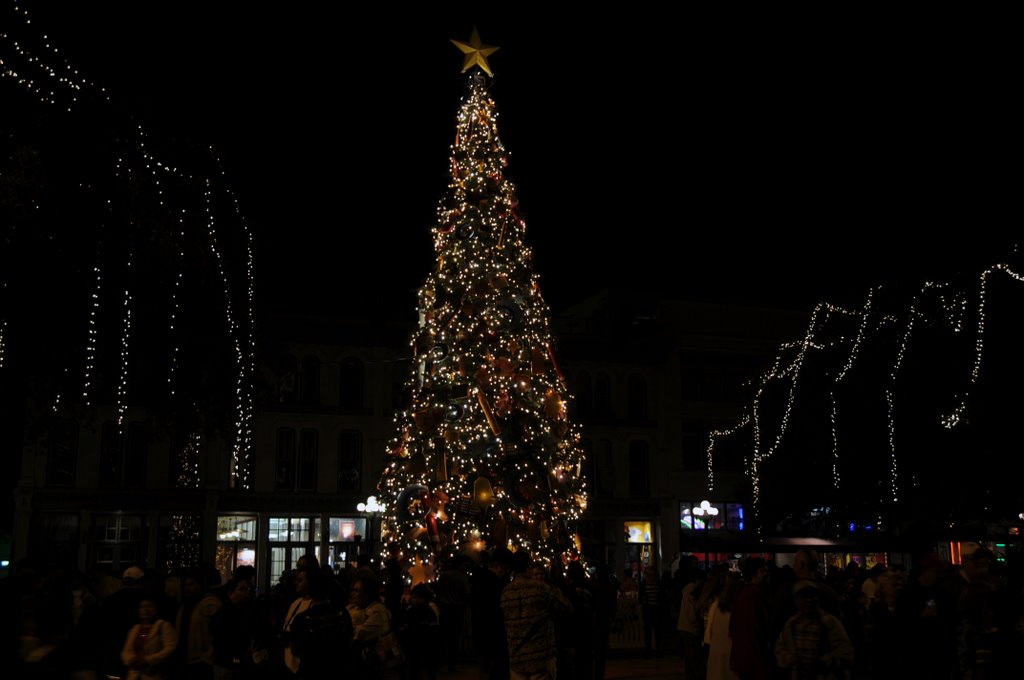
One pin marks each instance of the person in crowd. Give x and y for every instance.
(926, 617)
(148, 645)
(749, 624)
(581, 622)
(118, 613)
(691, 629)
(419, 634)
(985, 626)
(717, 637)
(194, 654)
(301, 603)
(870, 584)
(485, 612)
(711, 591)
(653, 596)
(883, 632)
(605, 591)
(239, 640)
(453, 593)
(807, 566)
(530, 607)
(321, 634)
(813, 643)
(370, 621)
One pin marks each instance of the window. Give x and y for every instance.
(590, 464)
(290, 538)
(350, 384)
(346, 535)
(636, 398)
(401, 394)
(136, 450)
(309, 382)
(288, 382)
(54, 538)
(639, 468)
(603, 396)
(236, 543)
(695, 445)
(638, 532)
(350, 460)
(62, 452)
(605, 469)
(584, 395)
(117, 541)
(285, 476)
(309, 442)
(110, 454)
(700, 515)
(180, 541)
(123, 455)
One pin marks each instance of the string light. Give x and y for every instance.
(41, 71)
(952, 306)
(73, 84)
(955, 417)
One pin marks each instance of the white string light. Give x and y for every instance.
(33, 68)
(789, 361)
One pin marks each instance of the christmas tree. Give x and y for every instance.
(484, 455)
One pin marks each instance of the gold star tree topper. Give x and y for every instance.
(476, 53)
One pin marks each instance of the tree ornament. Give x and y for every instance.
(457, 408)
(412, 502)
(486, 406)
(422, 571)
(483, 494)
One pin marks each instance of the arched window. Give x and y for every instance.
(639, 468)
(584, 395)
(111, 458)
(590, 465)
(603, 396)
(284, 478)
(309, 443)
(61, 452)
(288, 382)
(350, 460)
(636, 398)
(604, 474)
(124, 454)
(309, 382)
(350, 384)
(400, 393)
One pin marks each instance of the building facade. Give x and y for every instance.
(649, 384)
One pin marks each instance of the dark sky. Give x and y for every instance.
(740, 158)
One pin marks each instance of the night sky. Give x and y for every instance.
(737, 158)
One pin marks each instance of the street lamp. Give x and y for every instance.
(371, 508)
(706, 512)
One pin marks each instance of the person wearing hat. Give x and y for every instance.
(813, 643)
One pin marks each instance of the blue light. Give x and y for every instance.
(853, 526)
(868, 528)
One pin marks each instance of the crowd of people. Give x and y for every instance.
(939, 620)
(518, 619)
(363, 622)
